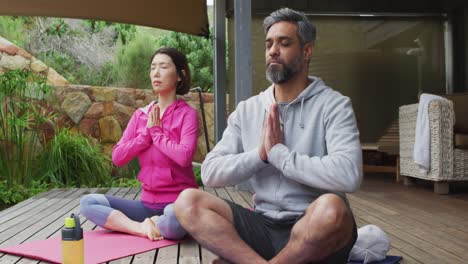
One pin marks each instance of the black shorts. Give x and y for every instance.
(268, 236)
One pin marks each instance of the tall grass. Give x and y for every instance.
(73, 160)
(22, 112)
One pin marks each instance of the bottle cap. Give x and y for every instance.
(70, 222)
(72, 230)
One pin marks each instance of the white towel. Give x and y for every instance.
(422, 150)
(372, 244)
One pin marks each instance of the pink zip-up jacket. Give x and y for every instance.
(165, 154)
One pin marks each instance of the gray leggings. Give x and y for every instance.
(97, 207)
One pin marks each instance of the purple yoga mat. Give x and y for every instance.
(99, 246)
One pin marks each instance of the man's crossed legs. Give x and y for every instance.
(324, 234)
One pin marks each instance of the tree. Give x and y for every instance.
(132, 62)
(199, 52)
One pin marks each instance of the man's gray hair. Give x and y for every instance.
(305, 29)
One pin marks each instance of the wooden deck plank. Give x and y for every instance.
(167, 255)
(20, 207)
(37, 221)
(412, 250)
(55, 227)
(432, 253)
(24, 215)
(189, 252)
(433, 218)
(423, 228)
(425, 232)
(237, 197)
(145, 258)
(248, 197)
(223, 194)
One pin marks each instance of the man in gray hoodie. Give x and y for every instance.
(297, 144)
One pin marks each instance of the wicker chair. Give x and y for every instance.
(448, 162)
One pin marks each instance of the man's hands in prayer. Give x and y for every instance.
(272, 133)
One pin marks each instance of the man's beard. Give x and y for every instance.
(276, 75)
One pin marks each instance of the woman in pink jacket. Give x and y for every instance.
(163, 136)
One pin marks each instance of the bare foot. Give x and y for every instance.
(219, 261)
(151, 230)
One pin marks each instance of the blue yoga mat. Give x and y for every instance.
(387, 260)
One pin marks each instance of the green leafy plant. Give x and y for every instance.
(76, 72)
(132, 62)
(23, 110)
(73, 160)
(199, 52)
(58, 28)
(197, 173)
(17, 193)
(11, 28)
(124, 32)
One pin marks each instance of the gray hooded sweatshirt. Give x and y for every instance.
(321, 152)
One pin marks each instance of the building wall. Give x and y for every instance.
(367, 60)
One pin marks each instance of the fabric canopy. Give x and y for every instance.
(176, 15)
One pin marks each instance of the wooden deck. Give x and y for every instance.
(423, 227)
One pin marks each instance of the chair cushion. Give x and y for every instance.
(461, 141)
(460, 105)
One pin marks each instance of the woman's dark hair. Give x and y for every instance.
(181, 64)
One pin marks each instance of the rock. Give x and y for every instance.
(107, 149)
(63, 120)
(21, 52)
(8, 48)
(90, 127)
(139, 103)
(38, 66)
(126, 97)
(75, 105)
(140, 94)
(95, 111)
(103, 94)
(150, 96)
(108, 108)
(123, 114)
(14, 62)
(55, 79)
(110, 129)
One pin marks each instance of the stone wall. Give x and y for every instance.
(103, 112)
(99, 112)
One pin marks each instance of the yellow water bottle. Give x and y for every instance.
(72, 241)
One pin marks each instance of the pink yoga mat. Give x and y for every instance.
(99, 246)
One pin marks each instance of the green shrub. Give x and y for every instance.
(60, 62)
(78, 73)
(22, 112)
(199, 52)
(124, 32)
(72, 160)
(125, 182)
(197, 172)
(17, 193)
(132, 62)
(11, 28)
